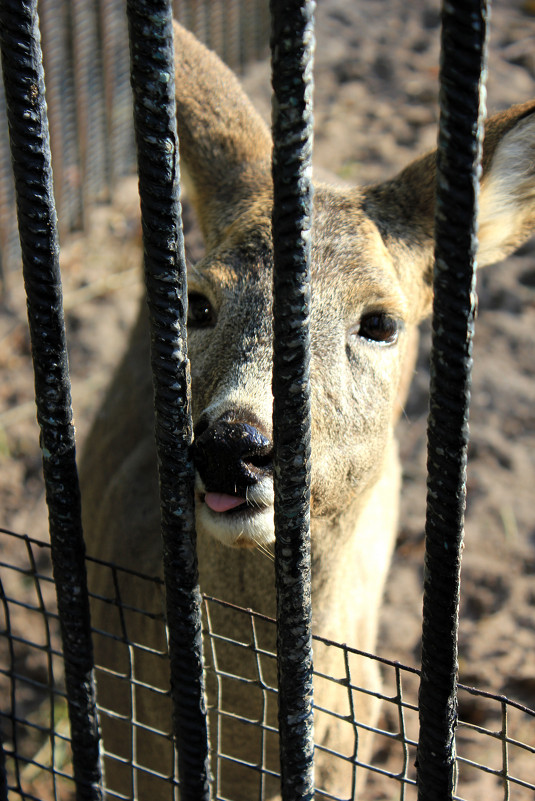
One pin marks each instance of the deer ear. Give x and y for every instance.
(404, 208)
(224, 144)
(507, 198)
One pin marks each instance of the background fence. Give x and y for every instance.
(87, 68)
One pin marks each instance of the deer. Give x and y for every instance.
(371, 277)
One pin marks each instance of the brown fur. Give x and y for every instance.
(372, 252)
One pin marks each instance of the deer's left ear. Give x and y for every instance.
(404, 208)
(507, 198)
(506, 201)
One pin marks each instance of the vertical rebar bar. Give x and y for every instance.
(30, 148)
(463, 63)
(292, 41)
(151, 45)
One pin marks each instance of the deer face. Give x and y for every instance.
(361, 320)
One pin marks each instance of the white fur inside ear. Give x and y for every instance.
(507, 199)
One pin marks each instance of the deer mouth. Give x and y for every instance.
(222, 503)
(236, 520)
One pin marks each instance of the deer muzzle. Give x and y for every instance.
(234, 485)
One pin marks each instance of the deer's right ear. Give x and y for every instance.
(224, 144)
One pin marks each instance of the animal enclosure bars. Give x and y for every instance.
(44, 757)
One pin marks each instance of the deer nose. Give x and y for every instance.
(231, 456)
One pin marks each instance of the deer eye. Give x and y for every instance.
(379, 327)
(200, 311)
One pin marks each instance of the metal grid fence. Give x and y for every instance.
(495, 736)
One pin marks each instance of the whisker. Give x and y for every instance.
(263, 549)
(255, 504)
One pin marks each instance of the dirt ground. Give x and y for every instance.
(376, 107)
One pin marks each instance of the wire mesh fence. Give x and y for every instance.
(495, 736)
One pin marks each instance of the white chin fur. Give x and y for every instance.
(248, 530)
(239, 529)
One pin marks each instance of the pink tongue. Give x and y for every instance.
(219, 502)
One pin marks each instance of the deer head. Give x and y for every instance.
(372, 253)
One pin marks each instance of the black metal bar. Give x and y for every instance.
(151, 42)
(30, 148)
(459, 155)
(292, 42)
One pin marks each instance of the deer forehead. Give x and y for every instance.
(351, 267)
